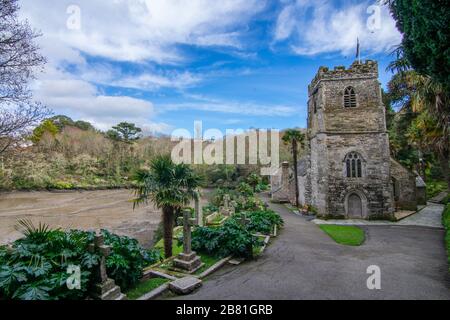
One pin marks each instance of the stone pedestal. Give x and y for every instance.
(185, 285)
(188, 262)
(107, 290)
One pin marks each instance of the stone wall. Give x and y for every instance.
(281, 185)
(404, 187)
(319, 174)
(373, 187)
(334, 131)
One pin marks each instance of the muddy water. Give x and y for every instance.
(87, 210)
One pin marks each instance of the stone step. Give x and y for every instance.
(121, 297)
(113, 294)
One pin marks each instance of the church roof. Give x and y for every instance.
(420, 183)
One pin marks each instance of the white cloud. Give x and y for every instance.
(321, 26)
(82, 100)
(138, 30)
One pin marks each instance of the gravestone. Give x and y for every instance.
(226, 209)
(188, 260)
(104, 288)
(198, 212)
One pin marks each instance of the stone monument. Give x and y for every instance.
(104, 287)
(226, 209)
(188, 260)
(198, 211)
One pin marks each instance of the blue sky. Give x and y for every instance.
(165, 63)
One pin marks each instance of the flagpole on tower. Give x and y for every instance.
(358, 51)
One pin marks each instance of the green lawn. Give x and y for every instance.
(176, 247)
(347, 235)
(435, 187)
(145, 287)
(208, 261)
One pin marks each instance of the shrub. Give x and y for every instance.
(249, 204)
(245, 189)
(229, 239)
(262, 187)
(127, 259)
(263, 221)
(435, 187)
(210, 208)
(35, 267)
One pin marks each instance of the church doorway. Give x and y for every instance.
(355, 206)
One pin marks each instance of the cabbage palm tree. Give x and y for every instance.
(170, 187)
(296, 139)
(429, 101)
(254, 180)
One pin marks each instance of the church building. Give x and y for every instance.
(348, 171)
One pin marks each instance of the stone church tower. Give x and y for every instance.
(349, 161)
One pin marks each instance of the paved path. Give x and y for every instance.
(429, 216)
(304, 263)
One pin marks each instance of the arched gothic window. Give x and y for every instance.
(350, 98)
(353, 165)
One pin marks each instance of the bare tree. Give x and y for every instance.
(19, 61)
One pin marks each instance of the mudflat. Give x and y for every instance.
(86, 210)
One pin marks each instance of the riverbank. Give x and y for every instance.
(109, 209)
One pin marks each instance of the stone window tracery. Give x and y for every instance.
(353, 165)
(350, 98)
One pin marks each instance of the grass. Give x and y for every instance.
(145, 287)
(346, 235)
(208, 261)
(435, 187)
(176, 247)
(446, 223)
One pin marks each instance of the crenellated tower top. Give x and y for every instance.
(366, 70)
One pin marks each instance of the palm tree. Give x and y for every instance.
(429, 99)
(296, 139)
(170, 187)
(254, 180)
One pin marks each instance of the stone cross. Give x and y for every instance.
(187, 222)
(188, 259)
(233, 205)
(226, 199)
(105, 251)
(198, 211)
(244, 220)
